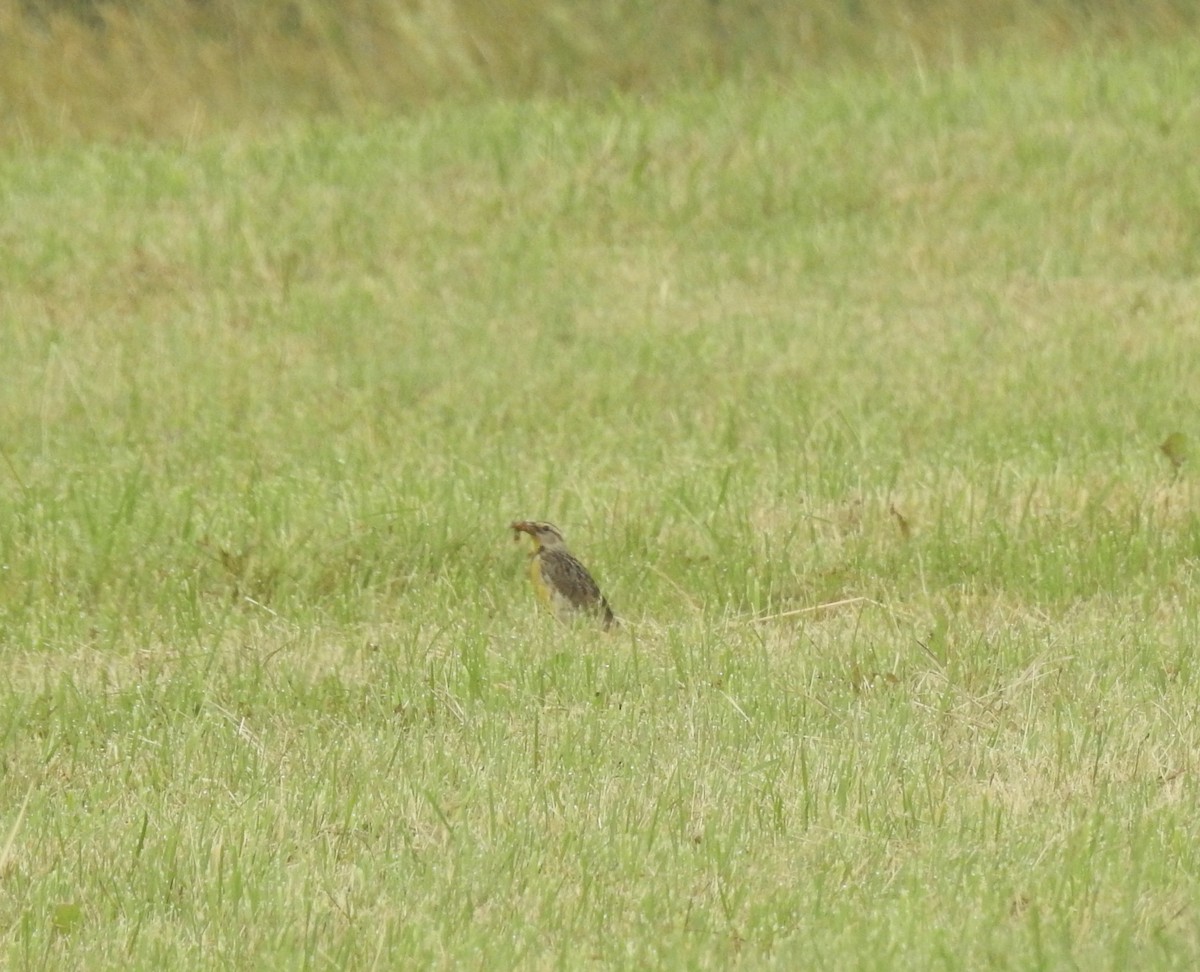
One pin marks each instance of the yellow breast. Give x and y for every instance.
(540, 587)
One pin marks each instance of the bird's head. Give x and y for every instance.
(545, 536)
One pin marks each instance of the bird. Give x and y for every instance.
(559, 580)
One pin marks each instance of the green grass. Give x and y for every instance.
(849, 389)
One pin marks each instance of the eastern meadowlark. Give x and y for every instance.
(559, 580)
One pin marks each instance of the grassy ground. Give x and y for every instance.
(904, 345)
(78, 69)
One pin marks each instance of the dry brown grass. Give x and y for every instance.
(177, 68)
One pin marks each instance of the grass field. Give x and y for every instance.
(849, 387)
